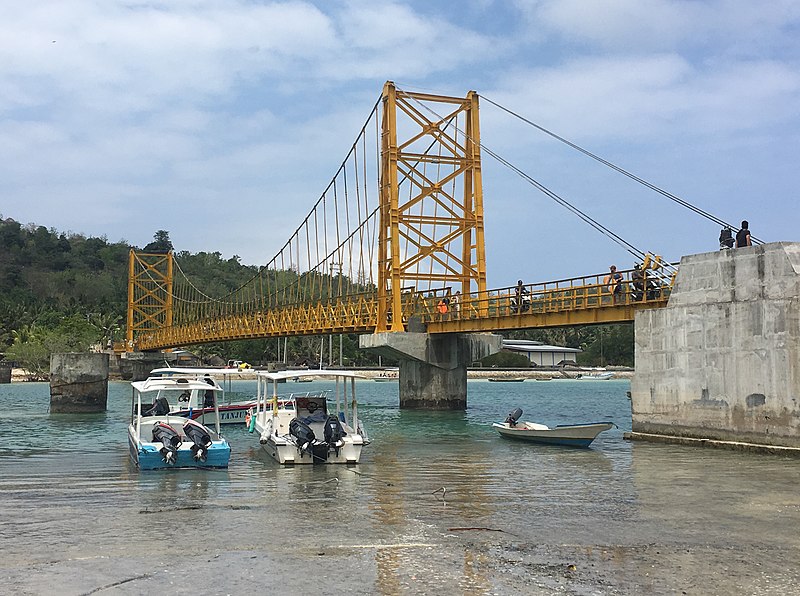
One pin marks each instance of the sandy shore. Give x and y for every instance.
(19, 375)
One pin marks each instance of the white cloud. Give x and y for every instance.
(176, 111)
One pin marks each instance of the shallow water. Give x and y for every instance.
(621, 517)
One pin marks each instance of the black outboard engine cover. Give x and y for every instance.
(200, 436)
(514, 416)
(170, 439)
(333, 431)
(302, 432)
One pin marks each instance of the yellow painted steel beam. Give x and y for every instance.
(445, 230)
(150, 290)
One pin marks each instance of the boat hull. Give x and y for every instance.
(577, 435)
(147, 455)
(287, 453)
(228, 414)
(595, 377)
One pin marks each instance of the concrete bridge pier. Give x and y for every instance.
(136, 366)
(433, 368)
(78, 383)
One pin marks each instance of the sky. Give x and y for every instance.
(222, 121)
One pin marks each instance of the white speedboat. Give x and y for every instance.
(308, 429)
(603, 376)
(158, 439)
(571, 435)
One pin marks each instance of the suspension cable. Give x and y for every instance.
(651, 186)
(638, 253)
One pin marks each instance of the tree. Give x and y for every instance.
(161, 243)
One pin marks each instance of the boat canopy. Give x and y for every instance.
(193, 371)
(292, 374)
(170, 384)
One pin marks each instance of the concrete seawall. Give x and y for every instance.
(722, 360)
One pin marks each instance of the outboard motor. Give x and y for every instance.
(200, 436)
(302, 433)
(170, 439)
(333, 433)
(514, 416)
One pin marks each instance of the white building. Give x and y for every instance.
(540, 354)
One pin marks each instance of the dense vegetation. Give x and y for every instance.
(65, 292)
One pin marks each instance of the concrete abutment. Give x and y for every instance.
(722, 361)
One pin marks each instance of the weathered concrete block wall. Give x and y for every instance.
(5, 372)
(722, 360)
(78, 382)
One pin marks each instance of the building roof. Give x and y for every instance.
(518, 345)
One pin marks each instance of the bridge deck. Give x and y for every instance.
(577, 301)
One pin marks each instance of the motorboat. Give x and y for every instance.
(571, 435)
(198, 408)
(506, 379)
(308, 429)
(159, 439)
(603, 376)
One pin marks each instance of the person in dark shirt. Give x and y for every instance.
(613, 281)
(743, 236)
(726, 238)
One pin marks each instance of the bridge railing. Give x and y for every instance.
(556, 302)
(637, 288)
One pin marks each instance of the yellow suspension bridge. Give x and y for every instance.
(397, 236)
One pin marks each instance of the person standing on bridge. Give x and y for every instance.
(743, 236)
(613, 281)
(522, 301)
(441, 307)
(455, 304)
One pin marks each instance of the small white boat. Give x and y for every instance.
(506, 379)
(603, 376)
(571, 435)
(158, 439)
(307, 429)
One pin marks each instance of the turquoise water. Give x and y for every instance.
(74, 509)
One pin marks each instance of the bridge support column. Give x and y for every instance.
(720, 364)
(78, 383)
(433, 368)
(136, 366)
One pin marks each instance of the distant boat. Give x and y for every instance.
(384, 379)
(595, 376)
(568, 435)
(545, 379)
(506, 379)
